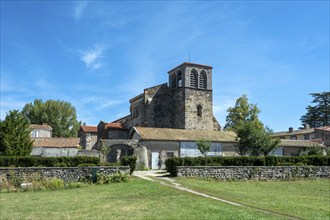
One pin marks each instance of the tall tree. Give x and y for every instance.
(15, 135)
(253, 138)
(60, 115)
(318, 115)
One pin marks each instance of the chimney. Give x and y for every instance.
(290, 129)
(306, 126)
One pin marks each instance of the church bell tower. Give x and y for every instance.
(191, 85)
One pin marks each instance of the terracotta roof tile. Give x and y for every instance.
(43, 126)
(56, 142)
(115, 126)
(184, 135)
(299, 143)
(89, 128)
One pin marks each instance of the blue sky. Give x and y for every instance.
(99, 54)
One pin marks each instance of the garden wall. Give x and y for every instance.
(65, 173)
(254, 172)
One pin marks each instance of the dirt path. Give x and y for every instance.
(161, 177)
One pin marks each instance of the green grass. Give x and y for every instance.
(307, 199)
(137, 199)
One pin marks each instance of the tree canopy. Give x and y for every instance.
(318, 115)
(15, 135)
(60, 115)
(253, 138)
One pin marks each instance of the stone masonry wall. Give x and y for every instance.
(65, 173)
(254, 172)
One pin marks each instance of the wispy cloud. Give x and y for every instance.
(92, 57)
(79, 9)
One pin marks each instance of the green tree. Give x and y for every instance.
(60, 115)
(318, 115)
(204, 146)
(15, 135)
(253, 138)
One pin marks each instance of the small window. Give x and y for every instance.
(199, 110)
(169, 154)
(306, 137)
(35, 134)
(193, 79)
(293, 137)
(179, 79)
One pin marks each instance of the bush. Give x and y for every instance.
(172, 163)
(129, 161)
(47, 161)
(86, 165)
(115, 178)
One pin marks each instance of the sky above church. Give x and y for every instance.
(99, 54)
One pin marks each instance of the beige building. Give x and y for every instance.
(320, 135)
(41, 131)
(88, 136)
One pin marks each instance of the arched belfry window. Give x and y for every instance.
(173, 81)
(202, 80)
(179, 79)
(199, 110)
(193, 79)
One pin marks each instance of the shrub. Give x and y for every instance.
(46, 161)
(86, 165)
(172, 163)
(62, 164)
(115, 178)
(129, 161)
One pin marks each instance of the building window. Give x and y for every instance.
(193, 79)
(306, 137)
(293, 137)
(35, 134)
(179, 79)
(169, 154)
(173, 81)
(202, 80)
(199, 111)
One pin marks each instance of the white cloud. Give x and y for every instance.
(93, 56)
(79, 9)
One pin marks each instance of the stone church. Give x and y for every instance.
(185, 102)
(165, 121)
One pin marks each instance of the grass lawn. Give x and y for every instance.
(307, 199)
(137, 199)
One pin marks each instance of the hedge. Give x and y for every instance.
(30, 161)
(172, 163)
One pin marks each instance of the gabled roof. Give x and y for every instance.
(184, 135)
(294, 132)
(43, 126)
(56, 142)
(115, 126)
(92, 129)
(299, 143)
(325, 128)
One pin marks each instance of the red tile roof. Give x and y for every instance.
(115, 126)
(89, 128)
(43, 126)
(56, 142)
(325, 128)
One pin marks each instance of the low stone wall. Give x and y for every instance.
(65, 173)
(254, 172)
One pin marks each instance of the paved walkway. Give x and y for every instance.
(162, 177)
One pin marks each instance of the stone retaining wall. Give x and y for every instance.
(254, 172)
(65, 173)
